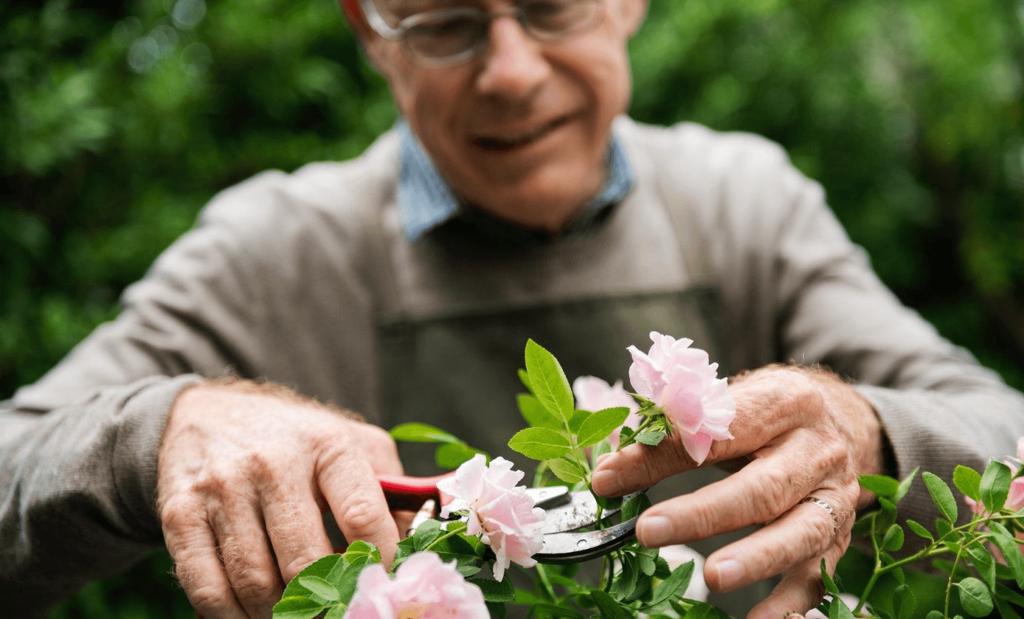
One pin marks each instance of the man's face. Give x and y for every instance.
(521, 131)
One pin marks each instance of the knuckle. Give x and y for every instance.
(361, 516)
(255, 586)
(178, 515)
(209, 598)
(775, 490)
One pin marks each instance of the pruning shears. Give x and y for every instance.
(565, 513)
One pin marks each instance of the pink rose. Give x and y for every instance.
(499, 511)
(681, 381)
(594, 394)
(424, 587)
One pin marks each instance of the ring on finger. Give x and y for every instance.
(825, 505)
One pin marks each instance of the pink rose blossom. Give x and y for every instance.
(686, 386)
(424, 587)
(594, 394)
(499, 511)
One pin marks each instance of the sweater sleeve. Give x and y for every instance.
(799, 290)
(78, 448)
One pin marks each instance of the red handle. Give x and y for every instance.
(409, 493)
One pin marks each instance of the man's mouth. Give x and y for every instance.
(510, 142)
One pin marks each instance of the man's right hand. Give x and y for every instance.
(244, 472)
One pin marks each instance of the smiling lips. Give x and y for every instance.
(507, 143)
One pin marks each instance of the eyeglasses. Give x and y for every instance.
(449, 37)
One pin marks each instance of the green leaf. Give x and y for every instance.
(905, 486)
(837, 609)
(661, 569)
(881, 485)
(1007, 545)
(968, 481)
(425, 534)
(984, 563)
(903, 603)
(941, 495)
(672, 587)
(1005, 610)
(297, 608)
(609, 607)
(625, 580)
(421, 433)
(320, 587)
(452, 455)
(635, 506)
(703, 610)
(525, 379)
(577, 420)
(647, 561)
(324, 568)
(359, 549)
(648, 437)
(893, 539)
(535, 414)
(830, 585)
(495, 591)
(566, 470)
(1008, 594)
(935, 614)
(600, 424)
(919, 530)
(974, 597)
(336, 612)
(863, 524)
(995, 486)
(942, 527)
(540, 444)
(549, 382)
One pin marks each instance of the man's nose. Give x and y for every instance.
(514, 65)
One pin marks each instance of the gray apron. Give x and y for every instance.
(458, 369)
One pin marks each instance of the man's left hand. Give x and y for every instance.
(802, 436)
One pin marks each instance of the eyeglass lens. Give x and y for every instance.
(458, 32)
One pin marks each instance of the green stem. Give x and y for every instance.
(876, 573)
(949, 583)
(542, 573)
(455, 531)
(632, 438)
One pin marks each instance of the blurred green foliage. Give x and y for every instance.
(120, 122)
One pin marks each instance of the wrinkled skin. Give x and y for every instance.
(244, 474)
(798, 432)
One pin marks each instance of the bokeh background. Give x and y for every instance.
(119, 120)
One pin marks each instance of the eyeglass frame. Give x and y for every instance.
(381, 27)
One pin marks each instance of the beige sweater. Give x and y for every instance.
(277, 281)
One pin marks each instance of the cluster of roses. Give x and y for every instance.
(677, 379)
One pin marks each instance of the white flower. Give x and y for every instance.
(499, 511)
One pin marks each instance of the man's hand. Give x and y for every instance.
(799, 433)
(244, 473)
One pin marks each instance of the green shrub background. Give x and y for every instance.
(120, 122)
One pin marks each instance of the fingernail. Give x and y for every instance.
(606, 483)
(730, 573)
(655, 531)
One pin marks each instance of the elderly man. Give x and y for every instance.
(512, 201)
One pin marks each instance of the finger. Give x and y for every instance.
(295, 526)
(765, 411)
(803, 533)
(197, 567)
(246, 554)
(381, 450)
(350, 486)
(800, 590)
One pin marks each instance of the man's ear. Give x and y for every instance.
(632, 13)
(356, 19)
(368, 41)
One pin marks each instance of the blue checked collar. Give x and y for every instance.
(426, 201)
